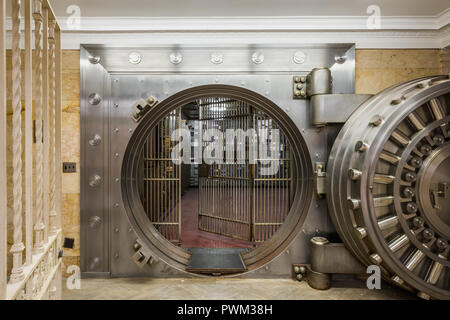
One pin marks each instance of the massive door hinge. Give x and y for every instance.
(326, 107)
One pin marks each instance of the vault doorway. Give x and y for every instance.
(248, 209)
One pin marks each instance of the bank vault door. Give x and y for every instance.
(241, 199)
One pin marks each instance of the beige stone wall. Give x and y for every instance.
(71, 153)
(445, 60)
(375, 71)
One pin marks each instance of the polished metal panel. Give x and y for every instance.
(95, 137)
(157, 76)
(334, 108)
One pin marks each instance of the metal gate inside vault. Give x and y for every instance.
(234, 199)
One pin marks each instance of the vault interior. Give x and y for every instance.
(227, 203)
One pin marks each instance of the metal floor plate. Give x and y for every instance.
(216, 260)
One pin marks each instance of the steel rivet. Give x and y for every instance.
(428, 234)
(416, 162)
(439, 139)
(217, 58)
(441, 244)
(134, 57)
(130, 130)
(257, 58)
(95, 222)
(408, 192)
(418, 222)
(340, 59)
(376, 121)
(95, 180)
(410, 177)
(95, 141)
(94, 99)
(117, 180)
(375, 258)
(397, 280)
(176, 57)
(426, 149)
(362, 232)
(116, 130)
(116, 205)
(94, 59)
(299, 57)
(361, 146)
(116, 230)
(116, 155)
(411, 207)
(354, 174)
(353, 204)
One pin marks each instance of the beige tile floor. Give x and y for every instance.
(216, 289)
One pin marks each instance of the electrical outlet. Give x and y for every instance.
(68, 243)
(69, 167)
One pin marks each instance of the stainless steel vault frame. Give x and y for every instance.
(112, 82)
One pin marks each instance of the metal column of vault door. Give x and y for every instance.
(225, 205)
(161, 183)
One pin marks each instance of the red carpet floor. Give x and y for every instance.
(192, 237)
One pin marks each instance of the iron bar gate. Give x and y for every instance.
(237, 200)
(161, 189)
(271, 194)
(225, 204)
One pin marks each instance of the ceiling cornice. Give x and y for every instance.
(316, 23)
(395, 32)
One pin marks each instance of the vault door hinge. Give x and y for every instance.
(142, 107)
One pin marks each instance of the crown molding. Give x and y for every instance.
(362, 40)
(306, 23)
(443, 19)
(395, 32)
